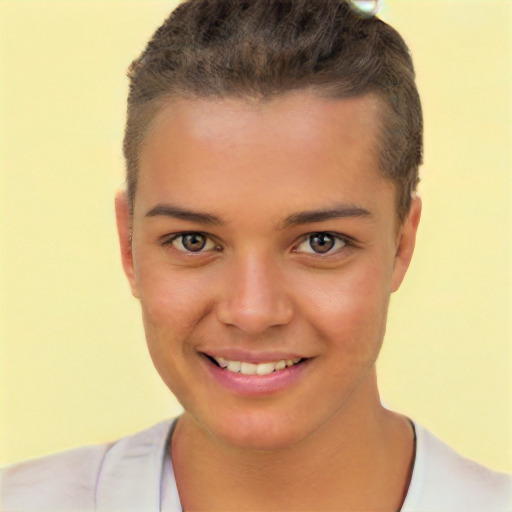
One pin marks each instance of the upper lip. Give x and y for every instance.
(251, 356)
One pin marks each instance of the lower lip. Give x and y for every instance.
(256, 385)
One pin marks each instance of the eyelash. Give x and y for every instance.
(177, 236)
(346, 241)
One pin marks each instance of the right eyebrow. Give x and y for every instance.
(177, 212)
(339, 211)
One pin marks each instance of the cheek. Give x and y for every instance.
(171, 309)
(350, 308)
(172, 303)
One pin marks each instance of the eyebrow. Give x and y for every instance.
(340, 211)
(177, 212)
(295, 219)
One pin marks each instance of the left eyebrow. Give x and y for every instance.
(338, 212)
(169, 210)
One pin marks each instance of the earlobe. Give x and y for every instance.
(406, 244)
(123, 219)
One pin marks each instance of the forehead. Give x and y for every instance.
(299, 144)
(295, 117)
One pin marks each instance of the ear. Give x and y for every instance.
(123, 218)
(405, 244)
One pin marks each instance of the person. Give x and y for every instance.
(272, 151)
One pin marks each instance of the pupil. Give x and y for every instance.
(321, 243)
(193, 242)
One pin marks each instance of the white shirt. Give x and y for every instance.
(135, 474)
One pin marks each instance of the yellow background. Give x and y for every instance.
(74, 367)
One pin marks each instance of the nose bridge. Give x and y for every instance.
(255, 293)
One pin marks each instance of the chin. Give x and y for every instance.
(259, 431)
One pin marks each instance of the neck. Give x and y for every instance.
(359, 459)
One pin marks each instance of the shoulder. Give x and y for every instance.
(66, 480)
(443, 480)
(69, 480)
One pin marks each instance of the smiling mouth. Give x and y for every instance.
(254, 368)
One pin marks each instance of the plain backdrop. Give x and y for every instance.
(74, 367)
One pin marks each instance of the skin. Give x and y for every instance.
(324, 442)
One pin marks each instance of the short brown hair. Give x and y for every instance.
(264, 48)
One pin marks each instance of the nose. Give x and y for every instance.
(255, 296)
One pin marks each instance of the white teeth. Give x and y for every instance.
(248, 368)
(265, 368)
(281, 365)
(255, 369)
(222, 362)
(234, 366)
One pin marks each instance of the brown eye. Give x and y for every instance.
(193, 242)
(321, 242)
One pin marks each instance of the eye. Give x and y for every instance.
(193, 242)
(321, 243)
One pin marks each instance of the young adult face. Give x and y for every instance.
(265, 233)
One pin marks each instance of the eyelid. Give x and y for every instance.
(347, 241)
(170, 238)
